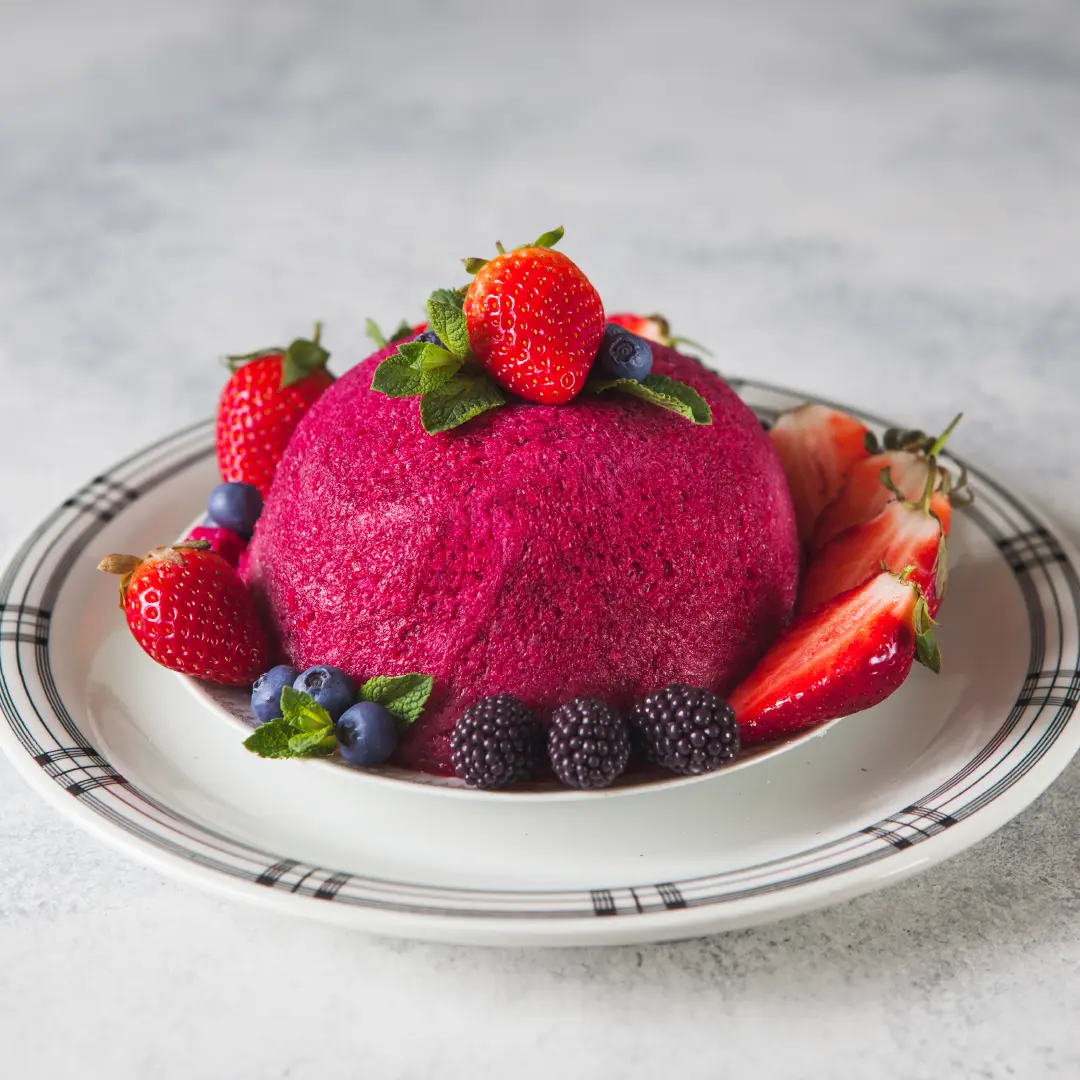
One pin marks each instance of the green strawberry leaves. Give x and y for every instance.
(403, 696)
(926, 647)
(544, 240)
(450, 384)
(548, 239)
(298, 361)
(371, 328)
(303, 357)
(306, 730)
(658, 390)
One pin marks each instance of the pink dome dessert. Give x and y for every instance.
(604, 547)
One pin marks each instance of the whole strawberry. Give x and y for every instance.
(190, 612)
(535, 321)
(269, 392)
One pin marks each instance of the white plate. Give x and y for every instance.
(119, 746)
(233, 705)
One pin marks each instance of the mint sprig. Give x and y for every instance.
(447, 319)
(658, 390)
(403, 696)
(306, 730)
(457, 401)
(416, 368)
(449, 382)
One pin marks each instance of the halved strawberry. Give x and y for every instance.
(845, 657)
(818, 448)
(863, 496)
(904, 534)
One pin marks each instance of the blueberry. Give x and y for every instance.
(266, 693)
(623, 355)
(429, 337)
(236, 507)
(366, 734)
(329, 686)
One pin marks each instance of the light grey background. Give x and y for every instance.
(875, 201)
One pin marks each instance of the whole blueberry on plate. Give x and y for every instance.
(266, 693)
(329, 686)
(366, 734)
(235, 506)
(623, 355)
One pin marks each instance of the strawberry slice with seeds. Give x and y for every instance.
(818, 447)
(904, 534)
(863, 496)
(847, 656)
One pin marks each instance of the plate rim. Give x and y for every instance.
(895, 847)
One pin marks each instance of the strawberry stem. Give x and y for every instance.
(939, 443)
(499, 247)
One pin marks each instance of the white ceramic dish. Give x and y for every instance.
(232, 705)
(120, 747)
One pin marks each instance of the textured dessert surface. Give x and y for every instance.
(606, 547)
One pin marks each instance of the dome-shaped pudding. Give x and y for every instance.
(604, 547)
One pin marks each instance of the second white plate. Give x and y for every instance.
(121, 748)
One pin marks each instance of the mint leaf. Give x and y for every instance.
(371, 328)
(403, 696)
(271, 740)
(458, 401)
(303, 713)
(312, 744)
(452, 297)
(447, 319)
(305, 730)
(416, 367)
(659, 390)
(303, 357)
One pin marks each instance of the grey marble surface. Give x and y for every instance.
(878, 202)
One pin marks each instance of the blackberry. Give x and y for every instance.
(588, 743)
(495, 743)
(686, 729)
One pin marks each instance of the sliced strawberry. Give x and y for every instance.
(818, 447)
(903, 534)
(845, 657)
(863, 496)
